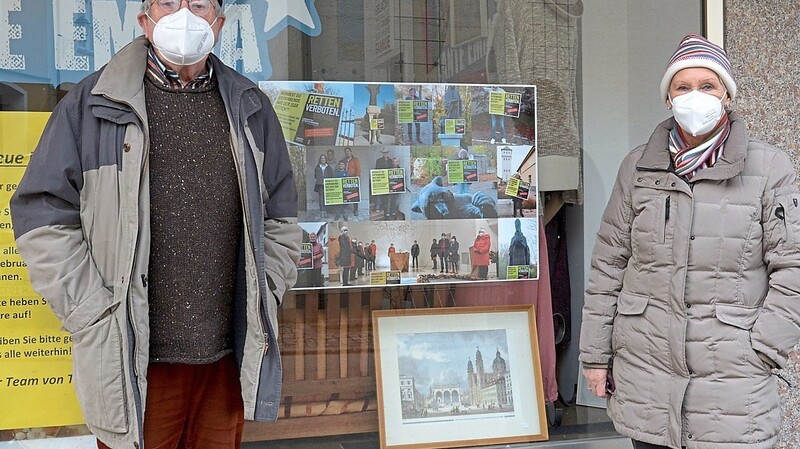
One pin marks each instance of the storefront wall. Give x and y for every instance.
(597, 65)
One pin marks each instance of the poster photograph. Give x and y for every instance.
(517, 257)
(414, 105)
(375, 110)
(458, 377)
(445, 190)
(312, 268)
(412, 164)
(517, 193)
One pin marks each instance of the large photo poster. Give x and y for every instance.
(412, 183)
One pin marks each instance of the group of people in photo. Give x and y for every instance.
(348, 166)
(446, 250)
(356, 257)
(347, 257)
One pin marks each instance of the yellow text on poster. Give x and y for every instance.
(35, 355)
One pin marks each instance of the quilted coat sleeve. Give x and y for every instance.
(776, 330)
(609, 259)
(45, 211)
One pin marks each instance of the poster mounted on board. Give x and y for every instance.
(35, 354)
(411, 174)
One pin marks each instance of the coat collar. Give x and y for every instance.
(656, 155)
(122, 79)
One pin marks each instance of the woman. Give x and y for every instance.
(693, 292)
(346, 257)
(434, 253)
(455, 259)
(322, 171)
(480, 254)
(317, 254)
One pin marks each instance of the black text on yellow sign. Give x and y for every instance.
(36, 384)
(342, 191)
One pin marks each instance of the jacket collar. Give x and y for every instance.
(122, 79)
(656, 155)
(232, 85)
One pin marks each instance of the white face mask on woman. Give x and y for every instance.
(697, 112)
(182, 38)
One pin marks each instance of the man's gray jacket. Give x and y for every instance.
(82, 224)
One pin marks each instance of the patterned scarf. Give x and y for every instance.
(689, 160)
(168, 78)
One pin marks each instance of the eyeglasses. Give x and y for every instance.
(197, 7)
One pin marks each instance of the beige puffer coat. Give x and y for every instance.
(689, 283)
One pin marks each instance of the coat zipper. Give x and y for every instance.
(246, 215)
(666, 218)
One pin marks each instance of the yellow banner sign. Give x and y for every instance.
(35, 355)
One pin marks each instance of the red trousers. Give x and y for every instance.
(193, 406)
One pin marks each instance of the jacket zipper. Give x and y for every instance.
(246, 215)
(666, 218)
(780, 214)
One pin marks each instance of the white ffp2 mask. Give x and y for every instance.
(182, 38)
(697, 112)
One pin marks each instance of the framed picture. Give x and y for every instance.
(458, 377)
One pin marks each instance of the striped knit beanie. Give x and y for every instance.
(697, 51)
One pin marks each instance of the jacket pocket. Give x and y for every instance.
(629, 320)
(738, 316)
(782, 216)
(97, 363)
(631, 304)
(786, 211)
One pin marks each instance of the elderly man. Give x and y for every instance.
(157, 216)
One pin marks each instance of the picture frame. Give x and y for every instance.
(714, 21)
(437, 389)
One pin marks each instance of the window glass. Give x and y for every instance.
(47, 46)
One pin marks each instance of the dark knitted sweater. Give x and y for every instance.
(195, 225)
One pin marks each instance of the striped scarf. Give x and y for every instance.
(168, 78)
(689, 160)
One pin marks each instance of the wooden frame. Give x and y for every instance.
(714, 21)
(436, 389)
